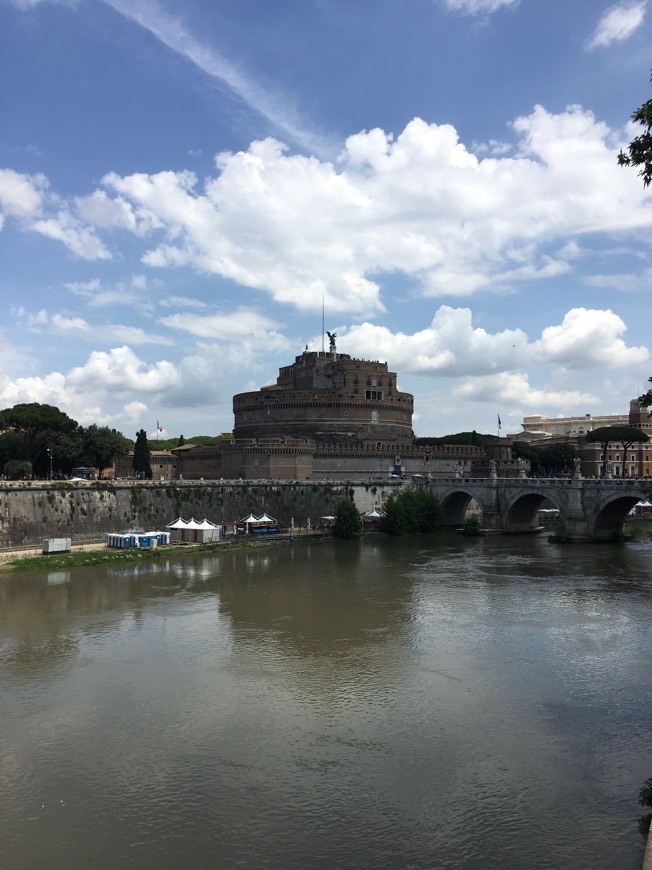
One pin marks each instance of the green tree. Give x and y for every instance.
(347, 520)
(142, 461)
(17, 469)
(101, 445)
(606, 435)
(645, 794)
(11, 447)
(646, 399)
(472, 439)
(412, 511)
(554, 459)
(39, 427)
(472, 526)
(639, 150)
(393, 518)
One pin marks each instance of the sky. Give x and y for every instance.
(192, 192)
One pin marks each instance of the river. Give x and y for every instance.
(425, 702)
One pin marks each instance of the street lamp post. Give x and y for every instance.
(50, 463)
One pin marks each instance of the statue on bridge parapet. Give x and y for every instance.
(521, 468)
(577, 463)
(493, 472)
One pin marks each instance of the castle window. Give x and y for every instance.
(375, 395)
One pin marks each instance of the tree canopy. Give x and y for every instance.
(473, 439)
(347, 520)
(142, 461)
(412, 511)
(101, 445)
(623, 434)
(48, 440)
(646, 399)
(38, 427)
(549, 460)
(639, 150)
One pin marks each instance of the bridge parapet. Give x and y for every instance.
(590, 508)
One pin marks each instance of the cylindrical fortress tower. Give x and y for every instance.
(328, 396)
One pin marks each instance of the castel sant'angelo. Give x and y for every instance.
(329, 416)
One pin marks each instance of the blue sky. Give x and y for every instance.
(183, 186)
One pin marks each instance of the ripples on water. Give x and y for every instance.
(469, 703)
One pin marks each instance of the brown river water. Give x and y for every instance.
(423, 702)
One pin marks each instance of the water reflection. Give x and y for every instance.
(412, 703)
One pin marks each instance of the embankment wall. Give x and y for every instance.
(30, 512)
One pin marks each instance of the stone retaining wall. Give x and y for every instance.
(82, 511)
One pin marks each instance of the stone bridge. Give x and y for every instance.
(591, 509)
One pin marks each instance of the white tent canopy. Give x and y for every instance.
(263, 518)
(250, 519)
(193, 531)
(178, 524)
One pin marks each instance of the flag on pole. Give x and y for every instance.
(499, 423)
(159, 428)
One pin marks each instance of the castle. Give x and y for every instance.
(329, 416)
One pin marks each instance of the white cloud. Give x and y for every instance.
(115, 213)
(477, 365)
(75, 327)
(617, 24)
(586, 339)
(80, 240)
(630, 282)
(132, 293)
(514, 390)
(134, 411)
(184, 302)
(479, 7)
(49, 390)
(120, 369)
(236, 324)
(21, 196)
(419, 205)
(29, 200)
(101, 390)
(69, 325)
(451, 346)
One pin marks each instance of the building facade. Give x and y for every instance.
(329, 416)
(622, 460)
(328, 397)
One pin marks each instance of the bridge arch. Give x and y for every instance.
(606, 523)
(456, 503)
(521, 513)
(591, 509)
